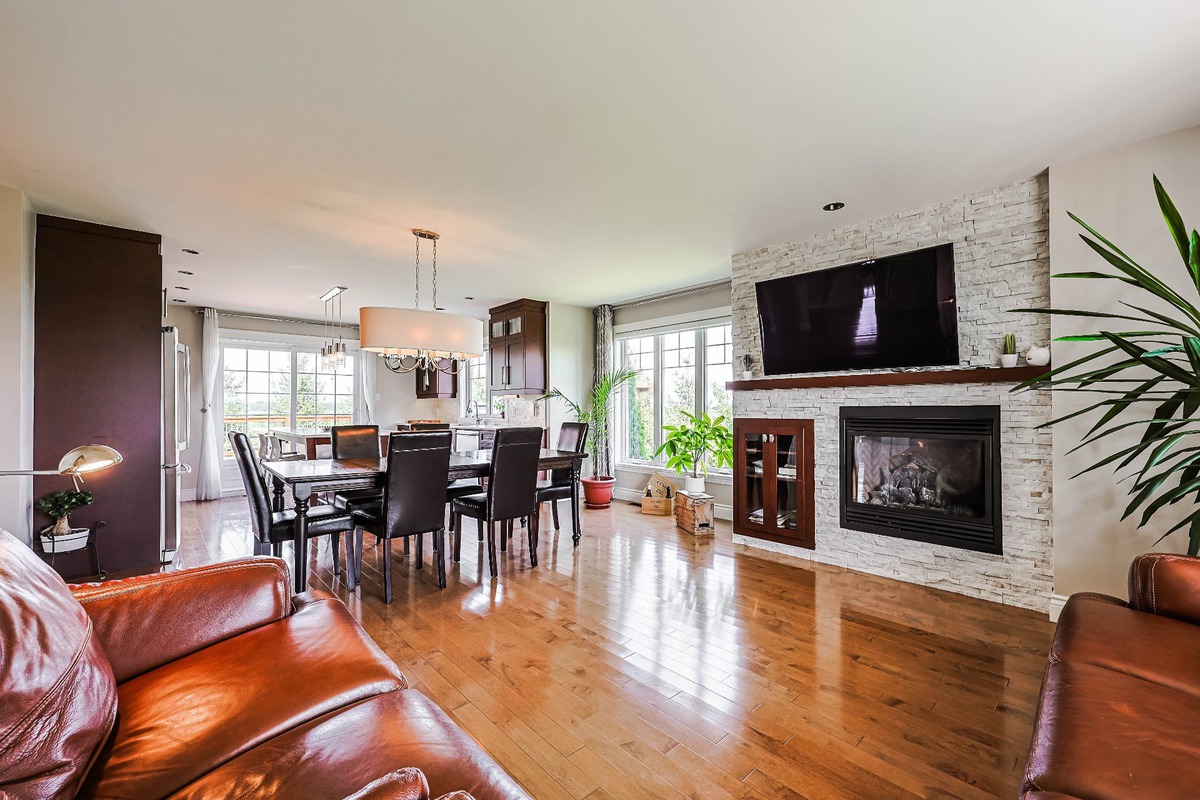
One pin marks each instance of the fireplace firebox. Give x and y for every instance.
(928, 473)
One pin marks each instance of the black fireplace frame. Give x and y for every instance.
(984, 534)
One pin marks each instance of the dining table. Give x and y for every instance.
(307, 441)
(337, 475)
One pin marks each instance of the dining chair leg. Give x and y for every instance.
(387, 570)
(334, 547)
(457, 534)
(351, 575)
(554, 512)
(406, 550)
(491, 542)
(358, 537)
(260, 549)
(420, 537)
(504, 534)
(534, 522)
(439, 544)
(479, 523)
(277, 549)
(575, 534)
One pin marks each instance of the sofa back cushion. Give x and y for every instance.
(58, 697)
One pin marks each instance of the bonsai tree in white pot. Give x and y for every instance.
(61, 537)
(597, 489)
(690, 447)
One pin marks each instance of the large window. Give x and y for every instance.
(477, 385)
(277, 386)
(677, 372)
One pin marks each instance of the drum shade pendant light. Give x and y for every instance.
(410, 339)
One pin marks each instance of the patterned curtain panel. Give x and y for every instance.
(603, 365)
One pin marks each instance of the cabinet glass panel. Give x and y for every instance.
(786, 481)
(498, 329)
(755, 486)
(514, 326)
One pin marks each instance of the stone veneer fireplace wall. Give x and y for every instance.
(1001, 254)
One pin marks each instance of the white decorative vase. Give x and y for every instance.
(1008, 360)
(66, 543)
(1038, 356)
(747, 375)
(693, 485)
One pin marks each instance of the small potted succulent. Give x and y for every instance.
(61, 537)
(690, 446)
(1009, 358)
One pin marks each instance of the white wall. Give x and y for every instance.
(17, 226)
(1112, 192)
(571, 334)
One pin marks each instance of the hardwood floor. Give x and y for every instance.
(651, 664)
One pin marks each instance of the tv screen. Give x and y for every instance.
(882, 313)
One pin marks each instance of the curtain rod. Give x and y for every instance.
(658, 298)
(266, 318)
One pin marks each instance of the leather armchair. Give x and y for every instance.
(1121, 696)
(211, 682)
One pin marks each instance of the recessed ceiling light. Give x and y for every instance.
(191, 252)
(185, 272)
(184, 288)
(438, 308)
(176, 300)
(468, 298)
(833, 206)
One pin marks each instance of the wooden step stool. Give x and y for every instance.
(694, 513)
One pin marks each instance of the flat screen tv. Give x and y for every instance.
(883, 313)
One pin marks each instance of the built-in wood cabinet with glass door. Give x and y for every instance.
(517, 348)
(773, 480)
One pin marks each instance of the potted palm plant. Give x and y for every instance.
(1155, 367)
(690, 446)
(598, 489)
(61, 537)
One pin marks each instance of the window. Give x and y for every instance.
(477, 384)
(678, 372)
(276, 386)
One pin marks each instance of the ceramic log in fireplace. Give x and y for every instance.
(929, 473)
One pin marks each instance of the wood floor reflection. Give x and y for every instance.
(650, 664)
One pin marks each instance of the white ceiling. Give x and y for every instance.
(574, 152)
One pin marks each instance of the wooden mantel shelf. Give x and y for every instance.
(979, 375)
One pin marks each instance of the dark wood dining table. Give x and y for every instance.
(329, 475)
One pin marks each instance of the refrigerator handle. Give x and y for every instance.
(187, 397)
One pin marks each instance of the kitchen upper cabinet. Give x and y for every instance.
(517, 347)
(434, 384)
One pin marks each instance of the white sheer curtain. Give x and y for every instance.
(208, 483)
(366, 378)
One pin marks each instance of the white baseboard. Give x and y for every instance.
(1057, 601)
(634, 496)
(187, 495)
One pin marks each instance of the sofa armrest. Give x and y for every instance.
(403, 784)
(151, 620)
(1167, 585)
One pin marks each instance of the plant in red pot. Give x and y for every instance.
(598, 489)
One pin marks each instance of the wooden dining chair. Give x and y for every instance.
(572, 436)
(414, 502)
(273, 528)
(356, 441)
(511, 493)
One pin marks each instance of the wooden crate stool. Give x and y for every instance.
(694, 513)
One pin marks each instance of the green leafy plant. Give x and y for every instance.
(1010, 344)
(690, 446)
(1156, 367)
(60, 505)
(598, 410)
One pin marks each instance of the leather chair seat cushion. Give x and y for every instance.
(321, 520)
(328, 757)
(471, 505)
(58, 696)
(1119, 688)
(190, 716)
(355, 499)
(463, 488)
(549, 490)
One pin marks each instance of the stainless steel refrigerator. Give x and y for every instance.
(176, 430)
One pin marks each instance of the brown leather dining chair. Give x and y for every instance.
(572, 436)
(355, 441)
(511, 492)
(273, 528)
(414, 501)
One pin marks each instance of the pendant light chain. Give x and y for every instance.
(417, 303)
(435, 275)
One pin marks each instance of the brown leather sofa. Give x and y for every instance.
(1120, 703)
(211, 682)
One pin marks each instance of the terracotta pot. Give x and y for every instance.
(598, 491)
